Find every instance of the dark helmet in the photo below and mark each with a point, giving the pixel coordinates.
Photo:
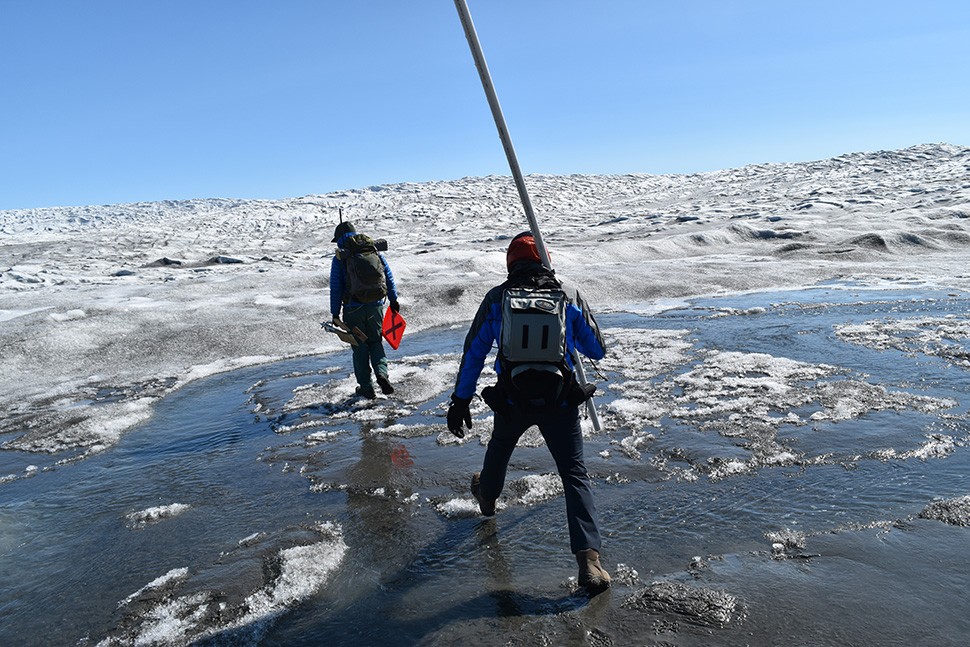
(522, 248)
(343, 228)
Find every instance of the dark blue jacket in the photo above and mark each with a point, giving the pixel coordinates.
(582, 332)
(338, 281)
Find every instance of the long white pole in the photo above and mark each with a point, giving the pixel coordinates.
(503, 132)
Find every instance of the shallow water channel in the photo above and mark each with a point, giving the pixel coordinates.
(785, 468)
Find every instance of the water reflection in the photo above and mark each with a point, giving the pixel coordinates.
(674, 483)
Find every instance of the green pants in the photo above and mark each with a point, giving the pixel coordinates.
(370, 353)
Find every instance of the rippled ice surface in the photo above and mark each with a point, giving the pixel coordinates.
(785, 468)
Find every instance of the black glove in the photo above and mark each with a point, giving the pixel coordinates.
(459, 412)
(395, 306)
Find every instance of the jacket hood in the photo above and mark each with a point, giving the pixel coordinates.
(342, 239)
(531, 274)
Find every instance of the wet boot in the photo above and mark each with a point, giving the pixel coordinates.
(592, 576)
(366, 392)
(487, 507)
(385, 385)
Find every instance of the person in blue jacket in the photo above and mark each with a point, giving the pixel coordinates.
(558, 419)
(368, 317)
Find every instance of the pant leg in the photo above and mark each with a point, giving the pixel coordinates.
(375, 341)
(367, 319)
(505, 434)
(563, 434)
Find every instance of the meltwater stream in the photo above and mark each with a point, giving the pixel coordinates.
(786, 468)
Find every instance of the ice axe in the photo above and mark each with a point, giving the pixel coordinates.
(350, 335)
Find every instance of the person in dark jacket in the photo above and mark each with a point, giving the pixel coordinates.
(558, 420)
(367, 317)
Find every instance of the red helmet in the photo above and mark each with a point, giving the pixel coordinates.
(522, 248)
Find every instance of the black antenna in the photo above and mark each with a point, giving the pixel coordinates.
(341, 210)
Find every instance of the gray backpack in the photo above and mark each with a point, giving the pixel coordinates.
(532, 350)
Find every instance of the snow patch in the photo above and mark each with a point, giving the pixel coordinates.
(153, 515)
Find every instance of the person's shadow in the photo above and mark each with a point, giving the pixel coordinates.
(375, 523)
(508, 601)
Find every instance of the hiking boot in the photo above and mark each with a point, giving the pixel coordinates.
(592, 576)
(487, 507)
(385, 385)
(366, 392)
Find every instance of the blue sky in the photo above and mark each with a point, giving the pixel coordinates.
(108, 102)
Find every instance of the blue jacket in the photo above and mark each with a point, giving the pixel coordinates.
(338, 281)
(582, 333)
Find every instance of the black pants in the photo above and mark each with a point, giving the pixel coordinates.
(561, 430)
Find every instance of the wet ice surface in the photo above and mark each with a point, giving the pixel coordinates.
(783, 468)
